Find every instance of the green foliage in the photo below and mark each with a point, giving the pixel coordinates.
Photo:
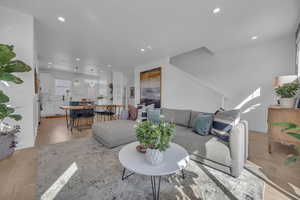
(15, 117)
(287, 90)
(7, 67)
(3, 97)
(155, 135)
(293, 130)
(291, 159)
(6, 111)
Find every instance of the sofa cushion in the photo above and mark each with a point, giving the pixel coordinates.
(203, 124)
(204, 147)
(153, 115)
(114, 133)
(179, 117)
(223, 123)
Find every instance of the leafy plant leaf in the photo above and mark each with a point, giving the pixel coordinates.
(10, 77)
(15, 117)
(294, 135)
(16, 66)
(291, 159)
(5, 111)
(6, 53)
(287, 90)
(3, 97)
(287, 124)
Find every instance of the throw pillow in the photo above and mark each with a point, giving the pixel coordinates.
(153, 115)
(203, 124)
(223, 123)
(142, 113)
(133, 112)
(194, 116)
(219, 110)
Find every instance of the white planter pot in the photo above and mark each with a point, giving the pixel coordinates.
(287, 102)
(154, 156)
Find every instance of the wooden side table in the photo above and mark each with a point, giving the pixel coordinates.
(278, 114)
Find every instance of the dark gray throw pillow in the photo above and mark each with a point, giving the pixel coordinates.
(203, 123)
(223, 122)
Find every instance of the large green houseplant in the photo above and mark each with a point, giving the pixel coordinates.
(292, 130)
(287, 93)
(8, 67)
(156, 137)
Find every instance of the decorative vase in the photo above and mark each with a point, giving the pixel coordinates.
(7, 146)
(287, 102)
(7, 139)
(154, 156)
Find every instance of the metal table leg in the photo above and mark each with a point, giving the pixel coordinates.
(67, 119)
(182, 173)
(154, 182)
(125, 176)
(155, 187)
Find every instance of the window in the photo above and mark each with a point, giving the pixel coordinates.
(61, 86)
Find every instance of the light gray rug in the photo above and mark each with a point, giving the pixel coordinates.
(83, 169)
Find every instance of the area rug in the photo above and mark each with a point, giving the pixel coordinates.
(83, 169)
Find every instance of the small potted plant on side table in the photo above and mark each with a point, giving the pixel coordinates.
(287, 93)
(155, 137)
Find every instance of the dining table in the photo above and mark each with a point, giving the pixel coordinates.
(67, 109)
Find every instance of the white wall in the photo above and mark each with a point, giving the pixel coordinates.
(180, 90)
(241, 71)
(18, 29)
(119, 83)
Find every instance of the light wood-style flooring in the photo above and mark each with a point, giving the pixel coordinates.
(18, 172)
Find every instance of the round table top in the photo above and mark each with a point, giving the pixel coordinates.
(175, 159)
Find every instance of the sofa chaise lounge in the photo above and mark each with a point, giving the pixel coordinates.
(209, 150)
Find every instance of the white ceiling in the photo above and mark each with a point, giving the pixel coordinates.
(113, 31)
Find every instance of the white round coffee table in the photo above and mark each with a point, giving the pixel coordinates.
(176, 158)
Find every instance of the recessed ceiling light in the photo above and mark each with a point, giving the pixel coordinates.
(254, 37)
(142, 50)
(216, 10)
(77, 59)
(49, 63)
(109, 65)
(61, 19)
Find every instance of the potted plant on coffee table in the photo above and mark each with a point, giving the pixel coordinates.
(155, 137)
(8, 67)
(287, 93)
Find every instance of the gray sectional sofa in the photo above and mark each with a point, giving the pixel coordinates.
(227, 157)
